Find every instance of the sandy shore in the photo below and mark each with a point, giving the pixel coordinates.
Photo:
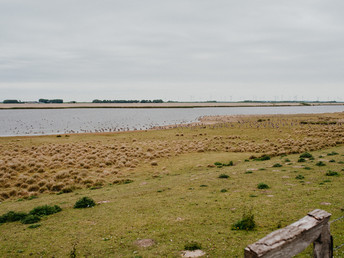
(153, 105)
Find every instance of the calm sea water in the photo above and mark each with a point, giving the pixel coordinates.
(58, 121)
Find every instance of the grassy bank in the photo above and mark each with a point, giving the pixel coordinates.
(163, 185)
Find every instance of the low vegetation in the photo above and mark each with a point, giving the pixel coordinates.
(178, 199)
(263, 186)
(246, 223)
(191, 246)
(32, 217)
(84, 202)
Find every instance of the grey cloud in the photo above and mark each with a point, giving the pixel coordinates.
(135, 44)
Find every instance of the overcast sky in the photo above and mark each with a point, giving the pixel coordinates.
(174, 50)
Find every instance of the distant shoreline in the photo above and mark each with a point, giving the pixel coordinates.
(162, 105)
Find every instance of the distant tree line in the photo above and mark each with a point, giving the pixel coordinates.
(10, 101)
(50, 100)
(127, 101)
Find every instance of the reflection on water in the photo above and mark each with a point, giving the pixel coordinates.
(59, 121)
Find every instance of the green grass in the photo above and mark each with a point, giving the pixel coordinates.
(136, 210)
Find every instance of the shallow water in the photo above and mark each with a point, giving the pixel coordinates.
(20, 122)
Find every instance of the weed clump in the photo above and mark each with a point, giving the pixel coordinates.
(224, 191)
(306, 155)
(332, 173)
(223, 176)
(246, 223)
(263, 186)
(263, 158)
(320, 164)
(30, 219)
(220, 165)
(45, 210)
(192, 246)
(299, 177)
(332, 153)
(12, 216)
(84, 202)
(301, 160)
(277, 165)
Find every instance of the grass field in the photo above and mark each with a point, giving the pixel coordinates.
(163, 185)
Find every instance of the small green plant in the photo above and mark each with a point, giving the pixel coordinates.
(277, 165)
(332, 173)
(230, 163)
(287, 160)
(192, 246)
(253, 195)
(299, 177)
(263, 186)
(279, 225)
(320, 164)
(45, 210)
(84, 202)
(307, 168)
(224, 191)
(301, 160)
(332, 161)
(203, 186)
(223, 176)
(306, 155)
(262, 169)
(332, 153)
(30, 219)
(249, 172)
(246, 223)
